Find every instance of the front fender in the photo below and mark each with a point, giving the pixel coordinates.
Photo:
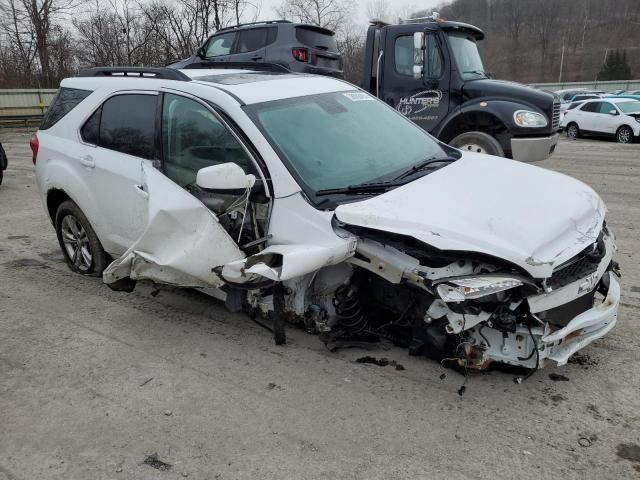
(500, 110)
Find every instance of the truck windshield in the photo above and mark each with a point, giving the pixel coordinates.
(344, 139)
(467, 56)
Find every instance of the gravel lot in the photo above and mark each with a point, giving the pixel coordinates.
(96, 384)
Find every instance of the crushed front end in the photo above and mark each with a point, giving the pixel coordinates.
(467, 308)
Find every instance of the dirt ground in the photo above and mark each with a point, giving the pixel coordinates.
(96, 384)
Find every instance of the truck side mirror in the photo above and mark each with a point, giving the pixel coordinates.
(418, 55)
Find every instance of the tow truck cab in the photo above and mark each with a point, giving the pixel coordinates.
(431, 72)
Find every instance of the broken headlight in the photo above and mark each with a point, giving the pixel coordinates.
(470, 288)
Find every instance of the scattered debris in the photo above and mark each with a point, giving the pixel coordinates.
(558, 398)
(629, 451)
(381, 362)
(146, 381)
(556, 377)
(526, 452)
(203, 355)
(584, 442)
(119, 469)
(583, 360)
(153, 461)
(461, 390)
(443, 376)
(168, 413)
(273, 386)
(155, 292)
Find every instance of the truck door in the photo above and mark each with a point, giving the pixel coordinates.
(424, 100)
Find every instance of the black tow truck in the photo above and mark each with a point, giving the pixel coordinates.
(431, 71)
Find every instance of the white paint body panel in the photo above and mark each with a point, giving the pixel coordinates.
(529, 216)
(183, 241)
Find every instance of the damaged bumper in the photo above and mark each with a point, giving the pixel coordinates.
(585, 328)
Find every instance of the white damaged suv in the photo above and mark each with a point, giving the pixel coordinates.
(302, 197)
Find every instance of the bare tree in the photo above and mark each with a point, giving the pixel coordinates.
(30, 25)
(331, 14)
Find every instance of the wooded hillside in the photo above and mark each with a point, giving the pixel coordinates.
(524, 38)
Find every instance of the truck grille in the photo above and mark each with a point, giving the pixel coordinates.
(555, 122)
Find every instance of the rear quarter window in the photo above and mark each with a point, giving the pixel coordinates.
(316, 39)
(65, 100)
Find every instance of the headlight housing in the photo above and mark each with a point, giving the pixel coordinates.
(526, 118)
(470, 288)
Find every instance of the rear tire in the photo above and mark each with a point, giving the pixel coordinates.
(78, 241)
(624, 135)
(1, 176)
(478, 142)
(573, 131)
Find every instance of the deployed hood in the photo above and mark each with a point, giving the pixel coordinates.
(527, 215)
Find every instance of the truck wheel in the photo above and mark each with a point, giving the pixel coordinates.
(624, 135)
(573, 131)
(478, 142)
(80, 246)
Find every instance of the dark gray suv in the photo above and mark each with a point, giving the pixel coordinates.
(297, 47)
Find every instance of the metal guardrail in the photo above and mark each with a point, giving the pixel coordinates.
(607, 86)
(24, 104)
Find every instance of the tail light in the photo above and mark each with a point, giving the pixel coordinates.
(300, 54)
(34, 144)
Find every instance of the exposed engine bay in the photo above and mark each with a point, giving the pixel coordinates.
(471, 311)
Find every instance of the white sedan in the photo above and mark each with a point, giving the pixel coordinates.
(607, 117)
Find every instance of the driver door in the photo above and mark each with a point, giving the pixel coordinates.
(425, 100)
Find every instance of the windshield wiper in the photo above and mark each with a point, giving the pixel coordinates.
(359, 188)
(424, 165)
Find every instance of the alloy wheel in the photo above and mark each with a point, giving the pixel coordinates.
(76, 243)
(624, 135)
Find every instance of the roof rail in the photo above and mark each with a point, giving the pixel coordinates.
(140, 72)
(262, 66)
(262, 22)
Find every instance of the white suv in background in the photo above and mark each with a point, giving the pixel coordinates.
(304, 197)
(617, 118)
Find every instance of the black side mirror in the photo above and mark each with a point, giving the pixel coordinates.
(200, 53)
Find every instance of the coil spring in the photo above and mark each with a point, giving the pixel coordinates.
(348, 310)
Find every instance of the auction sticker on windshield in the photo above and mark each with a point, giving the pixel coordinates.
(358, 96)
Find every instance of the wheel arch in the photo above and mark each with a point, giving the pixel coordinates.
(55, 197)
(480, 120)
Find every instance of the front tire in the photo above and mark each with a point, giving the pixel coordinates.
(624, 135)
(573, 131)
(478, 142)
(78, 241)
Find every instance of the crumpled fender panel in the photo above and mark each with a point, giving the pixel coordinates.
(182, 244)
(284, 262)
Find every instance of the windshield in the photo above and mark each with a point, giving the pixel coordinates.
(341, 139)
(629, 107)
(465, 51)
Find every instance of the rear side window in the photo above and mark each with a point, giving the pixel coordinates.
(591, 107)
(254, 39)
(90, 131)
(124, 123)
(314, 38)
(65, 100)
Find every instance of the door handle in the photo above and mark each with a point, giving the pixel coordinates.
(141, 191)
(87, 161)
(256, 58)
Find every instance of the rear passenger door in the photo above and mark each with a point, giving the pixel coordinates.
(118, 137)
(250, 44)
(587, 116)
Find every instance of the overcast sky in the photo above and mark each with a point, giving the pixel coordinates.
(268, 10)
